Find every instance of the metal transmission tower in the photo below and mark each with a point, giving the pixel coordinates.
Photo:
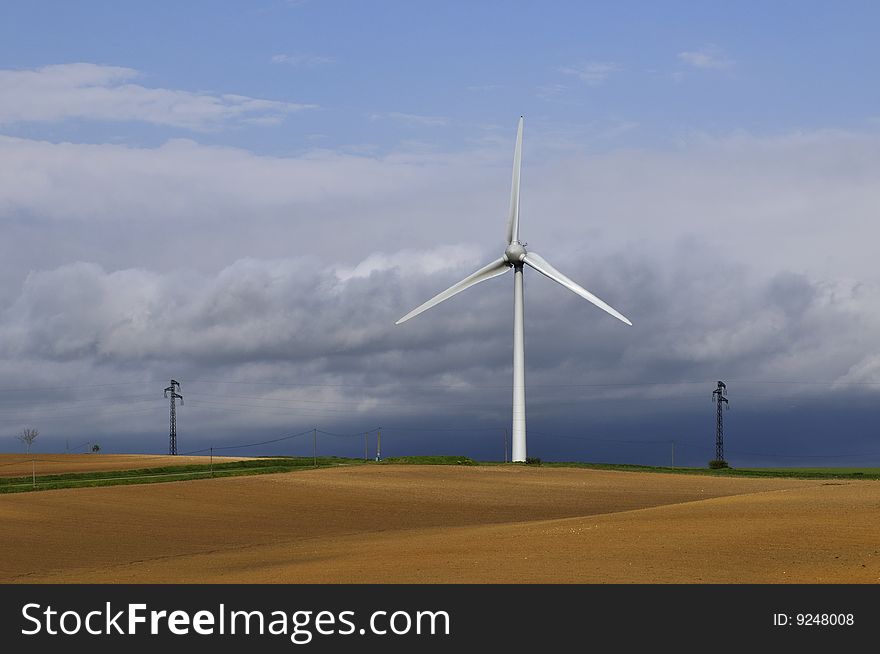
(718, 396)
(172, 434)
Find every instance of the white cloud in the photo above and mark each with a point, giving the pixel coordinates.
(417, 262)
(736, 257)
(96, 92)
(84, 182)
(734, 254)
(710, 58)
(593, 73)
(184, 204)
(306, 60)
(774, 196)
(413, 120)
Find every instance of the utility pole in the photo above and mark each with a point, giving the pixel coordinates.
(673, 454)
(366, 455)
(505, 445)
(718, 396)
(172, 434)
(315, 449)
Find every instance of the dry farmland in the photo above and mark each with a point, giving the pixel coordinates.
(21, 465)
(447, 524)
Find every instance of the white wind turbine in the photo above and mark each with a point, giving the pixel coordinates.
(514, 257)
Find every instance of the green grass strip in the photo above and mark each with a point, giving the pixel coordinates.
(273, 465)
(268, 465)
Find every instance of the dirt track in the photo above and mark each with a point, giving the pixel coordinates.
(442, 524)
(20, 465)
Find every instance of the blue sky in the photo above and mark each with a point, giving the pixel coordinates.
(661, 70)
(248, 195)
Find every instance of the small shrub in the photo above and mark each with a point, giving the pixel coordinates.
(716, 464)
(533, 461)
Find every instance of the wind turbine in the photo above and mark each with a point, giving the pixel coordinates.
(515, 255)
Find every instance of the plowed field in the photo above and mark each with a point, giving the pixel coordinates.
(447, 524)
(21, 465)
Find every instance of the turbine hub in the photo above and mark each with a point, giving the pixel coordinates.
(514, 254)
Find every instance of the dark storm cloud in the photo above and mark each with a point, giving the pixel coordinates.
(291, 313)
(737, 258)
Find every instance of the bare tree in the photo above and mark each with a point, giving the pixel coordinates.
(27, 436)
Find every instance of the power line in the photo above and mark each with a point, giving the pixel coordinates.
(274, 440)
(443, 428)
(356, 434)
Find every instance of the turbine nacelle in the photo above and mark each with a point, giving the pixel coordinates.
(515, 254)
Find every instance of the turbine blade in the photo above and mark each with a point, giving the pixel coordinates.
(513, 220)
(498, 267)
(540, 264)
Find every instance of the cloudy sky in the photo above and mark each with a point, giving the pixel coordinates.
(245, 196)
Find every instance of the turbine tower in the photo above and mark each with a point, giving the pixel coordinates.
(515, 256)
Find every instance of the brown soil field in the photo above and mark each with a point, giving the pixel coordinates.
(447, 524)
(20, 465)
